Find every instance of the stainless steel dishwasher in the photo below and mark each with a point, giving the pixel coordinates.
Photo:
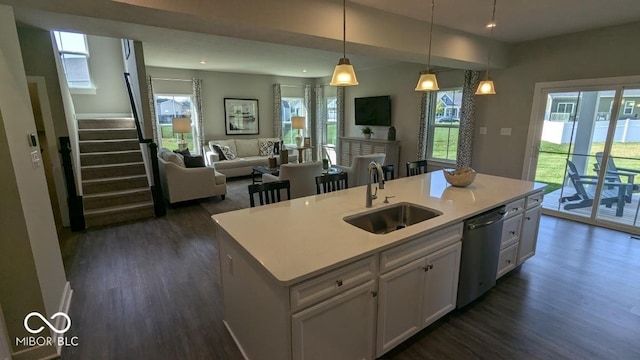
(480, 252)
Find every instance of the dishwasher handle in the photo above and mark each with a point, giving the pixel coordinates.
(502, 214)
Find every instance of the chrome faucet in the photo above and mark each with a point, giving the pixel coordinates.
(373, 166)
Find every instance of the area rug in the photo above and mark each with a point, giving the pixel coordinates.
(237, 197)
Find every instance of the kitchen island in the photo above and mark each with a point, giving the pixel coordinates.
(299, 282)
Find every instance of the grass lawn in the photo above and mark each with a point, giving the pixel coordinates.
(552, 161)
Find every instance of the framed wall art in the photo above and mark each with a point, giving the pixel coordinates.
(241, 116)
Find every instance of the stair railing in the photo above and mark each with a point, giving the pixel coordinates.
(74, 201)
(156, 187)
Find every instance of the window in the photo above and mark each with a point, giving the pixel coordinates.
(331, 104)
(74, 53)
(565, 108)
(628, 107)
(168, 107)
(444, 124)
(291, 106)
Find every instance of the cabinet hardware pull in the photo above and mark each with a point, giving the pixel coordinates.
(528, 218)
(508, 261)
(430, 266)
(374, 294)
(339, 282)
(425, 268)
(512, 232)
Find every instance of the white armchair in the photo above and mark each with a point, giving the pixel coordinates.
(358, 172)
(301, 176)
(180, 183)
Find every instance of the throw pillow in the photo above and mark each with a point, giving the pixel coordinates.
(193, 161)
(228, 153)
(184, 152)
(218, 150)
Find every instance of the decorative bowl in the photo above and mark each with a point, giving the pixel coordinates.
(461, 177)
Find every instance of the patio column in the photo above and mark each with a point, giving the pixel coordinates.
(585, 123)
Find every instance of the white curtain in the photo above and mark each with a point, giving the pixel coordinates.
(198, 116)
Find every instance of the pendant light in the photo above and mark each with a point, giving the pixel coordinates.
(486, 86)
(428, 81)
(344, 75)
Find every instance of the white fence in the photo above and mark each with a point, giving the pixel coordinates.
(560, 132)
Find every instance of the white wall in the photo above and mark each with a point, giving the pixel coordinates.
(593, 54)
(29, 241)
(107, 69)
(219, 85)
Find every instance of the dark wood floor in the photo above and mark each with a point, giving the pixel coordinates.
(150, 290)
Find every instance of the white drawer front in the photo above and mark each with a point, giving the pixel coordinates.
(515, 207)
(511, 231)
(414, 249)
(334, 282)
(534, 199)
(507, 260)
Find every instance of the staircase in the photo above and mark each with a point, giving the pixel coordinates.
(114, 183)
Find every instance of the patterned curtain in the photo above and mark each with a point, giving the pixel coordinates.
(152, 109)
(340, 120)
(467, 116)
(425, 110)
(310, 118)
(277, 111)
(320, 136)
(198, 139)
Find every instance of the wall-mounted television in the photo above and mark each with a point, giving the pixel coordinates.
(373, 110)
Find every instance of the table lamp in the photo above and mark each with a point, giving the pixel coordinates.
(297, 122)
(181, 125)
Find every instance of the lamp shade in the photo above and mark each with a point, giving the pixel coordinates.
(427, 82)
(181, 125)
(297, 122)
(344, 74)
(486, 88)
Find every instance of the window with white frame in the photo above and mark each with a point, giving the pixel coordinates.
(169, 106)
(565, 108)
(444, 125)
(74, 53)
(291, 106)
(628, 107)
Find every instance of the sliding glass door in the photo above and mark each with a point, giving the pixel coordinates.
(589, 155)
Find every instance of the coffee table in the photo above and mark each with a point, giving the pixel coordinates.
(261, 169)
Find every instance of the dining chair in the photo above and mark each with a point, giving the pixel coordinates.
(269, 193)
(416, 167)
(388, 171)
(332, 182)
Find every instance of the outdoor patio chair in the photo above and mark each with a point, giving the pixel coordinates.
(615, 173)
(612, 193)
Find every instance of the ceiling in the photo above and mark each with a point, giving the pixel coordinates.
(518, 20)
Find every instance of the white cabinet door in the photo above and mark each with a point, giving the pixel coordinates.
(399, 304)
(529, 234)
(341, 327)
(441, 283)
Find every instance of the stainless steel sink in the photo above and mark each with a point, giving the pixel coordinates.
(391, 218)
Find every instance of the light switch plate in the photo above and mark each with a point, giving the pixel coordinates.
(483, 130)
(505, 131)
(36, 160)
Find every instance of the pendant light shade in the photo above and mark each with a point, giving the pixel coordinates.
(428, 81)
(344, 74)
(486, 86)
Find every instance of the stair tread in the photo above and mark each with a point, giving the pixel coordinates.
(115, 178)
(116, 192)
(107, 210)
(111, 165)
(117, 152)
(107, 140)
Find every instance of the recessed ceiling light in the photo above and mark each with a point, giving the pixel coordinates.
(304, 70)
(203, 62)
(491, 25)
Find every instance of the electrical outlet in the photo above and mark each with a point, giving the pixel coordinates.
(505, 131)
(483, 130)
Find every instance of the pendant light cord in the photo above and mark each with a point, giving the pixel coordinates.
(493, 25)
(433, 4)
(344, 28)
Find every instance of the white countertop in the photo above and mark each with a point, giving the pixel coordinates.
(296, 239)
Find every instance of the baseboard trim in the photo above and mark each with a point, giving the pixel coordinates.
(36, 353)
(235, 339)
(65, 303)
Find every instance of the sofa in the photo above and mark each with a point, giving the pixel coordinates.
(181, 183)
(247, 153)
(302, 177)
